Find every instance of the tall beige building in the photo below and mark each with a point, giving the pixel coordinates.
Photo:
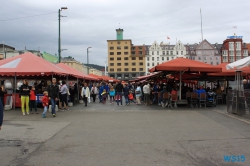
(125, 61)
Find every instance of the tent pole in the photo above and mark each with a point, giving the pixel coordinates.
(14, 86)
(180, 84)
(77, 90)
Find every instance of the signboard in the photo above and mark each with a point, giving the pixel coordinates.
(234, 37)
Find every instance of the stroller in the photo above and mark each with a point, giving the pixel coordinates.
(211, 98)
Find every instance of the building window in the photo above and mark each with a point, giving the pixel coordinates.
(140, 52)
(205, 58)
(153, 58)
(118, 47)
(111, 64)
(111, 53)
(217, 63)
(167, 52)
(126, 58)
(157, 52)
(231, 52)
(133, 58)
(140, 58)
(147, 53)
(140, 48)
(217, 58)
(167, 58)
(172, 57)
(181, 52)
(211, 58)
(133, 52)
(141, 69)
(133, 69)
(133, 64)
(147, 58)
(111, 59)
(211, 63)
(152, 52)
(111, 48)
(238, 52)
(111, 69)
(199, 58)
(126, 69)
(125, 53)
(133, 75)
(119, 58)
(163, 52)
(157, 58)
(177, 53)
(119, 69)
(119, 64)
(125, 47)
(148, 64)
(133, 48)
(162, 58)
(125, 64)
(153, 64)
(171, 52)
(119, 53)
(141, 63)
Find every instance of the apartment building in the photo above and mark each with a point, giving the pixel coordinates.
(233, 49)
(125, 60)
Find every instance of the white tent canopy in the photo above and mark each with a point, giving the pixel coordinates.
(239, 64)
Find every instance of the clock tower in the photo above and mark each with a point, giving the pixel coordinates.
(119, 34)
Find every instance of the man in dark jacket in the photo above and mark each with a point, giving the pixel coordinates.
(1, 114)
(125, 93)
(119, 90)
(53, 93)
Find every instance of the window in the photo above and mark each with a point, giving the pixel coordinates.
(111, 64)
(211, 63)
(172, 57)
(162, 58)
(238, 45)
(112, 75)
(111, 53)
(198, 52)
(133, 64)
(125, 64)
(157, 52)
(111, 59)
(133, 69)
(126, 69)
(193, 58)
(133, 75)
(217, 63)
(231, 45)
(157, 58)
(167, 58)
(125, 53)
(211, 58)
(167, 52)
(141, 69)
(147, 53)
(238, 52)
(133, 48)
(119, 64)
(140, 48)
(205, 58)
(152, 52)
(118, 47)
(163, 52)
(231, 52)
(133, 58)
(176, 52)
(140, 58)
(125, 47)
(171, 52)
(119, 58)
(126, 58)
(119, 69)
(148, 64)
(181, 52)
(119, 53)
(217, 58)
(199, 58)
(153, 58)
(141, 63)
(157, 63)
(111, 69)
(147, 58)
(153, 64)
(140, 52)
(133, 52)
(111, 48)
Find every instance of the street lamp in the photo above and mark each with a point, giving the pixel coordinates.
(88, 59)
(59, 38)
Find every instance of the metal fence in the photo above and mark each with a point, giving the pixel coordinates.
(238, 101)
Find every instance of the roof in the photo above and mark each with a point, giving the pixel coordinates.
(1, 46)
(183, 64)
(28, 64)
(105, 78)
(49, 57)
(248, 47)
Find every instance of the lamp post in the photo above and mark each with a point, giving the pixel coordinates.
(88, 59)
(59, 38)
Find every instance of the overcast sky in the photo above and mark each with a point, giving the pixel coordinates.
(93, 22)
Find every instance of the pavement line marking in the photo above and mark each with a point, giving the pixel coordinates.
(234, 116)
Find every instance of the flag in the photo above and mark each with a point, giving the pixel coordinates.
(168, 37)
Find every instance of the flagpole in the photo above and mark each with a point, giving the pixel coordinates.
(201, 27)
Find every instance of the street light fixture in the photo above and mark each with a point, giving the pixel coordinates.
(59, 38)
(88, 59)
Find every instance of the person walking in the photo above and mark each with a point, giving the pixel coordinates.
(33, 100)
(25, 93)
(119, 90)
(53, 93)
(101, 87)
(64, 95)
(1, 113)
(126, 93)
(138, 94)
(112, 95)
(146, 91)
(94, 92)
(85, 94)
(45, 102)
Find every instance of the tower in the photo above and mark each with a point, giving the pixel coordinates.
(119, 34)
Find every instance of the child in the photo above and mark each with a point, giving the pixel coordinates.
(104, 96)
(33, 100)
(112, 95)
(45, 102)
(131, 97)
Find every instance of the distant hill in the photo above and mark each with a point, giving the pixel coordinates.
(95, 66)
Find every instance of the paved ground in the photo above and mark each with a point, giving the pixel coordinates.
(125, 135)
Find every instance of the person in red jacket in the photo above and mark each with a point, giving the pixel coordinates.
(45, 102)
(33, 100)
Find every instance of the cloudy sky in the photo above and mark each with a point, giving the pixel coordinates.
(93, 22)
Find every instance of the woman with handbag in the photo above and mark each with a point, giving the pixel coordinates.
(64, 95)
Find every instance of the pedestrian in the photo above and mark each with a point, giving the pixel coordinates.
(101, 87)
(146, 91)
(85, 94)
(131, 97)
(33, 100)
(2, 95)
(53, 93)
(64, 95)
(138, 94)
(94, 92)
(104, 96)
(45, 102)
(25, 93)
(112, 95)
(119, 90)
(1, 114)
(126, 93)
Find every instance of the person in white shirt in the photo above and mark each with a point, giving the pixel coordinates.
(146, 91)
(94, 92)
(85, 93)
